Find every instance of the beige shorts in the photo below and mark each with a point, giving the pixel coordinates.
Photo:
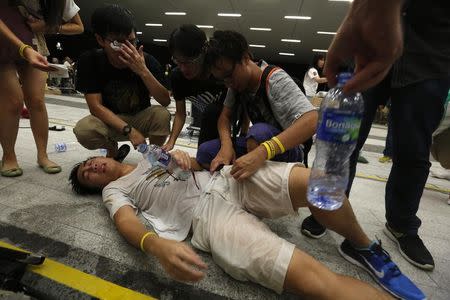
(226, 223)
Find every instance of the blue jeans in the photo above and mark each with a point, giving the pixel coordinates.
(416, 111)
(260, 132)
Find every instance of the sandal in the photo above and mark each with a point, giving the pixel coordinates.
(14, 172)
(51, 169)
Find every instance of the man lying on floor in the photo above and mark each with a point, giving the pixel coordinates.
(224, 216)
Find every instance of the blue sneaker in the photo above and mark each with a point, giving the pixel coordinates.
(378, 263)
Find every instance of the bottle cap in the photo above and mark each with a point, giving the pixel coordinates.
(142, 148)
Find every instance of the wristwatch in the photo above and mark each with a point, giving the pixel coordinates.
(126, 130)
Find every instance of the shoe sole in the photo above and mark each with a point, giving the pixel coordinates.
(309, 234)
(358, 264)
(394, 239)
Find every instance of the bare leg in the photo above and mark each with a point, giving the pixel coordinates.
(33, 89)
(342, 221)
(11, 101)
(312, 280)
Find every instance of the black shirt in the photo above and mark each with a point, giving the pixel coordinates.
(122, 90)
(200, 92)
(426, 54)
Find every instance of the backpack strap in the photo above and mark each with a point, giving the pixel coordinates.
(263, 90)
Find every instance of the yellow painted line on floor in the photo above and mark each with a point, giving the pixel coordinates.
(428, 186)
(83, 282)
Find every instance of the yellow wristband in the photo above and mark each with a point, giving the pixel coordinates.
(22, 49)
(280, 145)
(143, 239)
(269, 152)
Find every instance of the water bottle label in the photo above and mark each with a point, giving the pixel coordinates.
(60, 147)
(164, 159)
(339, 126)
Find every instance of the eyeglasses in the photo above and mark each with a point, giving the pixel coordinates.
(189, 62)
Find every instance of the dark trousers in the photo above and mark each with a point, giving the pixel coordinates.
(416, 111)
(388, 146)
(208, 123)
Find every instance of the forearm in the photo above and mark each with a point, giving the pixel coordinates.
(367, 8)
(133, 231)
(223, 126)
(71, 29)
(300, 131)
(156, 89)
(178, 123)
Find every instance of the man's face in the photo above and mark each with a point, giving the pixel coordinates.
(108, 44)
(98, 172)
(235, 75)
(190, 67)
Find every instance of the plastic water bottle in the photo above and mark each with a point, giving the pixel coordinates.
(64, 147)
(157, 156)
(71, 146)
(337, 133)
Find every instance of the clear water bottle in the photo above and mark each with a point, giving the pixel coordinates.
(71, 146)
(337, 133)
(157, 156)
(64, 147)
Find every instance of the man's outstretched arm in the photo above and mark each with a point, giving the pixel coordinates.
(177, 258)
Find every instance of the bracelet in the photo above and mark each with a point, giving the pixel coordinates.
(267, 150)
(270, 149)
(280, 145)
(22, 49)
(143, 239)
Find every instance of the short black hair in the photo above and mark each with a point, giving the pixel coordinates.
(187, 39)
(316, 59)
(229, 44)
(77, 186)
(112, 19)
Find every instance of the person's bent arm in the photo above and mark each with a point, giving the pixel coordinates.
(226, 153)
(134, 59)
(29, 54)
(371, 35)
(97, 109)
(319, 79)
(74, 26)
(177, 258)
(178, 122)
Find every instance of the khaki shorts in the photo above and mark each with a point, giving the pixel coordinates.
(92, 133)
(226, 223)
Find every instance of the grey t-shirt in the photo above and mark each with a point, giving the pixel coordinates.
(287, 101)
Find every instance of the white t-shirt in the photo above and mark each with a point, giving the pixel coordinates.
(70, 10)
(309, 83)
(165, 202)
(34, 7)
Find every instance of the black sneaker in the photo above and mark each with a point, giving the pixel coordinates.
(122, 153)
(378, 263)
(312, 228)
(411, 248)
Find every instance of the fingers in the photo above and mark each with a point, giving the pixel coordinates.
(367, 77)
(184, 264)
(214, 164)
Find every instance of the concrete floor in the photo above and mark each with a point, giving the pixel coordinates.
(39, 212)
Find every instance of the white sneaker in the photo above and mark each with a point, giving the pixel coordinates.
(440, 173)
